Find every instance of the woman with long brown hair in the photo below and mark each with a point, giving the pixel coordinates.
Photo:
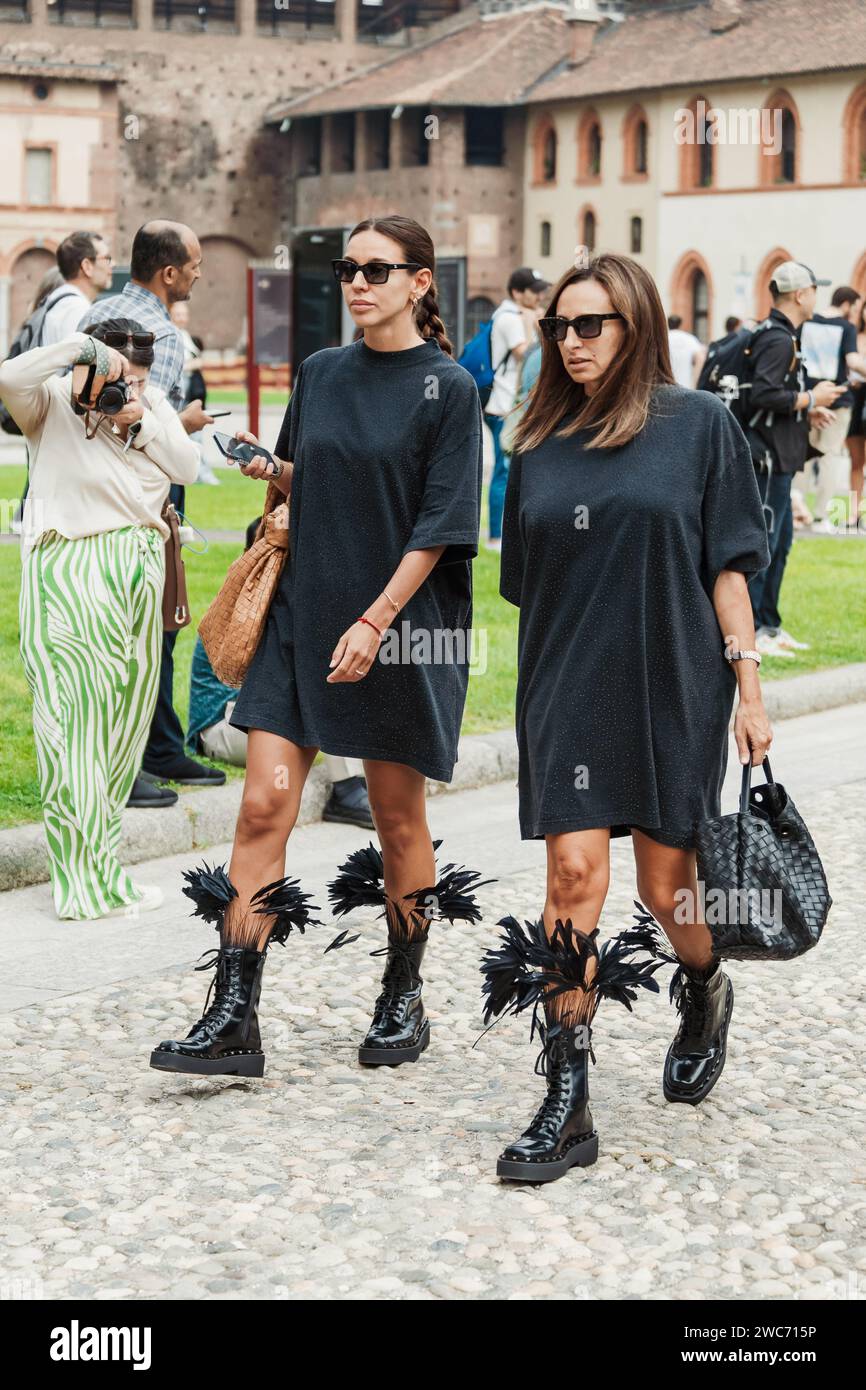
(632, 520)
(381, 454)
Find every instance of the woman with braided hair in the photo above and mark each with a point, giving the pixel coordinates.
(381, 454)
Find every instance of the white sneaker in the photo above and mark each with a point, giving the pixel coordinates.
(785, 639)
(494, 543)
(151, 898)
(824, 528)
(770, 646)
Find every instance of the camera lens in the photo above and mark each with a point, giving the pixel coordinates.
(112, 397)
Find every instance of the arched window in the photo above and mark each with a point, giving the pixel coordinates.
(692, 294)
(636, 236)
(640, 147)
(544, 240)
(700, 306)
(780, 132)
(548, 167)
(635, 143)
(478, 310)
(588, 229)
(589, 148)
(854, 126)
(696, 135)
(544, 151)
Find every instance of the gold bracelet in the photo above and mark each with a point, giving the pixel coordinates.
(394, 605)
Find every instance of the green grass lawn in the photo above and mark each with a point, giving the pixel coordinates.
(823, 605)
(236, 395)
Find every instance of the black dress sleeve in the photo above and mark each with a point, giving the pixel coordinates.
(450, 508)
(287, 438)
(734, 529)
(511, 560)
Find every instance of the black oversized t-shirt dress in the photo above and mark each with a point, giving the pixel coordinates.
(386, 448)
(624, 695)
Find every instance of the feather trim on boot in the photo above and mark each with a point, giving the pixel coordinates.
(361, 883)
(211, 890)
(528, 970)
(291, 908)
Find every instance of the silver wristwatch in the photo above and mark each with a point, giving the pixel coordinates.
(739, 656)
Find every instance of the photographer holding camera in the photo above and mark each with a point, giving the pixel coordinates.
(105, 447)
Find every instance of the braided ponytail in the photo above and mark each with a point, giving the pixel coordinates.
(429, 323)
(417, 247)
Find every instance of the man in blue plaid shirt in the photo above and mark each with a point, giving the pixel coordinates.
(165, 264)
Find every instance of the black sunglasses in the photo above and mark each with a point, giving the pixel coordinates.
(122, 340)
(585, 326)
(374, 272)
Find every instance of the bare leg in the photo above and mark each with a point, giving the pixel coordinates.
(399, 806)
(276, 773)
(578, 877)
(661, 873)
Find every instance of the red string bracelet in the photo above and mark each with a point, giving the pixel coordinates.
(372, 625)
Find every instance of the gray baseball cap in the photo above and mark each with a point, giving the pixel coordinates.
(793, 275)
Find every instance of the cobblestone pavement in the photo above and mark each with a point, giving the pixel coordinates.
(325, 1181)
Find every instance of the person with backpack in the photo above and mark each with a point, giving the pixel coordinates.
(85, 262)
(778, 415)
(84, 265)
(493, 357)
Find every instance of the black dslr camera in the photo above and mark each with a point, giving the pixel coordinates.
(111, 398)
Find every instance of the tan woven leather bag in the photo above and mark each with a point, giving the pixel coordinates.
(232, 627)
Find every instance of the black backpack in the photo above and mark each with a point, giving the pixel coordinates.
(29, 335)
(728, 367)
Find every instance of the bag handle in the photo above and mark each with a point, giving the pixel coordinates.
(746, 783)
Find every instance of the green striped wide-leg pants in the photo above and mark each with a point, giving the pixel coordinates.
(91, 637)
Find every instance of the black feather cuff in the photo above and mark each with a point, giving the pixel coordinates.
(527, 969)
(211, 890)
(360, 883)
(450, 896)
(290, 908)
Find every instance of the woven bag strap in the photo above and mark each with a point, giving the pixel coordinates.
(273, 497)
(746, 783)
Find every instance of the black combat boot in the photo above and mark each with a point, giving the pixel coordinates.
(562, 1135)
(400, 1030)
(696, 1057)
(226, 1040)
(530, 970)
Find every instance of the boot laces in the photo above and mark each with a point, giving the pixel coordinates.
(693, 1003)
(215, 1015)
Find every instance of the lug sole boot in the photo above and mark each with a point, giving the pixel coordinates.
(696, 1057)
(226, 1040)
(529, 970)
(400, 1030)
(562, 1135)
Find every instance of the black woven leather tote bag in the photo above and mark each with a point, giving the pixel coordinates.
(762, 878)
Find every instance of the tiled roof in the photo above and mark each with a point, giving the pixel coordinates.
(523, 56)
(676, 46)
(481, 62)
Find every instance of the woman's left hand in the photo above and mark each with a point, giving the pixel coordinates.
(354, 654)
(130, 413)
(753, 731)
